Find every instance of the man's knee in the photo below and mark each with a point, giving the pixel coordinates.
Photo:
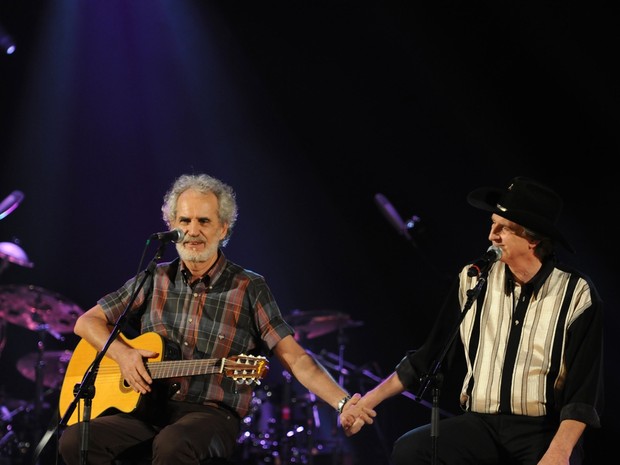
(412, 447)
(69, 444)
(169, 444)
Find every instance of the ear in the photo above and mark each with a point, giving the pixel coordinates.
(224, 231)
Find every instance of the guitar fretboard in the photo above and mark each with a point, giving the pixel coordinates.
(176, 368)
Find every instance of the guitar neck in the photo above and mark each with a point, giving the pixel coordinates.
(177, 368)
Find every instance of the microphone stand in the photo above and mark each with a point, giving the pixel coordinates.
(434, 377)
(342, 342)
(86, 389)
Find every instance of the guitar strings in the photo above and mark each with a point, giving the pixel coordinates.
(188, 365)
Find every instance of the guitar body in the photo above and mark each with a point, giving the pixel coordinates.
(113, 394)
(111, 391)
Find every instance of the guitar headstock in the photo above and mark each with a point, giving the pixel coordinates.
(246, 369)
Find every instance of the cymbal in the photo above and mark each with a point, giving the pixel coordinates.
(13, 253)
(10, 203)
(53, 365)
(37, 309)
(319, 322)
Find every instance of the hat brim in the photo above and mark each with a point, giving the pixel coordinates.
(487, 198)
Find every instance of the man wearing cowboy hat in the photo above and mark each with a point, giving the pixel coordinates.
(530, 329)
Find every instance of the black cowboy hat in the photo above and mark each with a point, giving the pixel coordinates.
(526, 202)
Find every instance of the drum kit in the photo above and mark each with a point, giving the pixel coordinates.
(46, 313)
(287, 424)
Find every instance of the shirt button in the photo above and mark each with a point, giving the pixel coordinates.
(517, 322)
(190, 320)
(195, 294)
(185, 343)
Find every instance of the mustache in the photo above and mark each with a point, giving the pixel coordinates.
(188, 240)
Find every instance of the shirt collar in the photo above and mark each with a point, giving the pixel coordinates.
(212, 273)
(534, 285)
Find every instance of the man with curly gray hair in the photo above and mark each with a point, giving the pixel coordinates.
(206, 307)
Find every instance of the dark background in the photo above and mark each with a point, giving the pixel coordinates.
(308, 109)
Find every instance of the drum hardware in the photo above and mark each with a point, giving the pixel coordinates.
(19, 429)
(2, 335)
(47, 313)
(52, 364)
(10, 203)
(37, 309)
(11, 252)
(286, 423)
(7, 438)
(14, 446)
(259, 435)
(317, 323)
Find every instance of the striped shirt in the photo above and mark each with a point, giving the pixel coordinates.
(231, 311)
(534, 350)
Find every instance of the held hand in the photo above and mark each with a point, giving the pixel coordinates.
(355, 428)
(356, 414)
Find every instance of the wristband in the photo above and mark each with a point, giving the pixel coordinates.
(342, 403)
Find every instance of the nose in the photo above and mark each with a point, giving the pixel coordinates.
(193, 229)
(494, 233)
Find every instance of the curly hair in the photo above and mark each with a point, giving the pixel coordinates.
(227, 203)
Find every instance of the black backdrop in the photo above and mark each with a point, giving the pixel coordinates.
(308, 110)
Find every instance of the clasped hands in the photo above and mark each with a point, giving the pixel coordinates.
(355, 415)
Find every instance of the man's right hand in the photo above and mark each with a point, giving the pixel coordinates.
(133, 370)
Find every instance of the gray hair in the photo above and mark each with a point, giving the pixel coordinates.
(227, 204)
(545, 246)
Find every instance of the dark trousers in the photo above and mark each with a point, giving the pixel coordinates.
(480, 439)
(185, 433)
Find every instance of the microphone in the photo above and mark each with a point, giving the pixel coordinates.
(10, 203)
(392, 215)
(176, 235)
(492, 254)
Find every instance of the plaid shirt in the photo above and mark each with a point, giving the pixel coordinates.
(231, 311)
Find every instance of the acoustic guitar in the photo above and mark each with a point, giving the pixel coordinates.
(113, 393)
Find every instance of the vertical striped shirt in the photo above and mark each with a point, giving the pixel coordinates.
(532, 350)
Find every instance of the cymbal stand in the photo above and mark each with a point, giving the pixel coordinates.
(286, 416)
(38, 380)
(4, 264)
(313, 423)
(43, 330)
